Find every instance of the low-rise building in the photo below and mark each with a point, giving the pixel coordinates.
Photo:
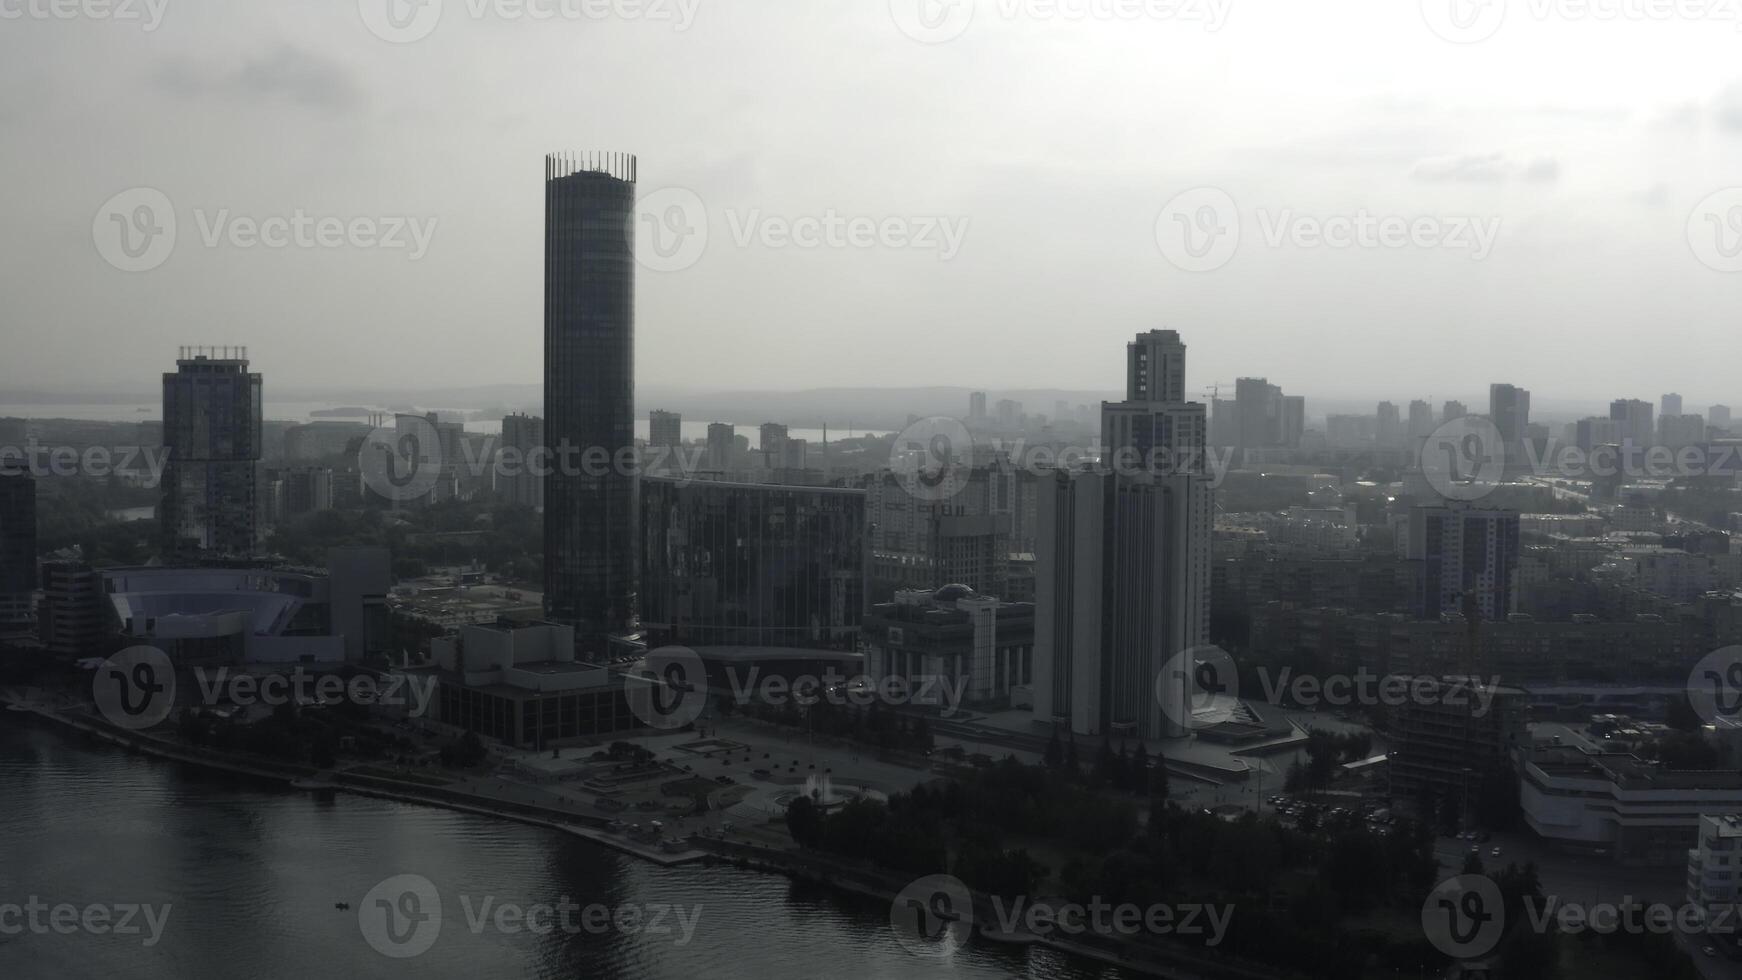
(952, 639)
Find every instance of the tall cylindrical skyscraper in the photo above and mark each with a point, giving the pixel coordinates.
(589, 394)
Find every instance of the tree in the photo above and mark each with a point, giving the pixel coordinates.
(804, 821)
(1055, 753)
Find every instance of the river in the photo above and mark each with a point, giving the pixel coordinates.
(243, 879)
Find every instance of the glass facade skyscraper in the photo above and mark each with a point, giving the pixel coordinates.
(589, 395)
(211, 433)
(739, 564)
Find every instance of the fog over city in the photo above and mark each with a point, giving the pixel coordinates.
(1049, 139)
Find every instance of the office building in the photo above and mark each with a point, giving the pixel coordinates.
(1388, 430)
(1718, 417)
(1715, 873)
(1670, 404)
(294, 491)
(1453, 410)
(953, 638)
(521, 461)
(1421, 420)
(752, 565)
(921, 543)
(71, 617)
(1155, 367)
(1635, 418)
(1293, 420)
(1009, 413)
(1122, 584)
(1582, 798)
(665, 429)
(722, 447)
(1465, 553)
(977, 405)
(1509, 410)
(211, 432)
(1259, 404)
(17, 549)
(1676, 431)
(773, 440)
(522, 684)
(590, 528)
(1591, 432)
(1445, 744)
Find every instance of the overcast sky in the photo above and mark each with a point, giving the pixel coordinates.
(1008, 182)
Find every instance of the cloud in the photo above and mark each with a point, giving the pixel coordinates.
(285, 73)
(1486, 168)
(1728, 108)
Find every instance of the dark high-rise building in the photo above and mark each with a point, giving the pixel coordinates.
(665, 429)
(211, 432)
(1466, 554)
(17, 548)
(71, 617)
(589, 394)
(1635, 417)
(1509, 410)
(1259, 404)
(739, 564)
(520, 478)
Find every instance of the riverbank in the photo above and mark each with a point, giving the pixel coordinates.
(807, 866)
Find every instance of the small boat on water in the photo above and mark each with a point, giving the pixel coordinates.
(342, 906)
